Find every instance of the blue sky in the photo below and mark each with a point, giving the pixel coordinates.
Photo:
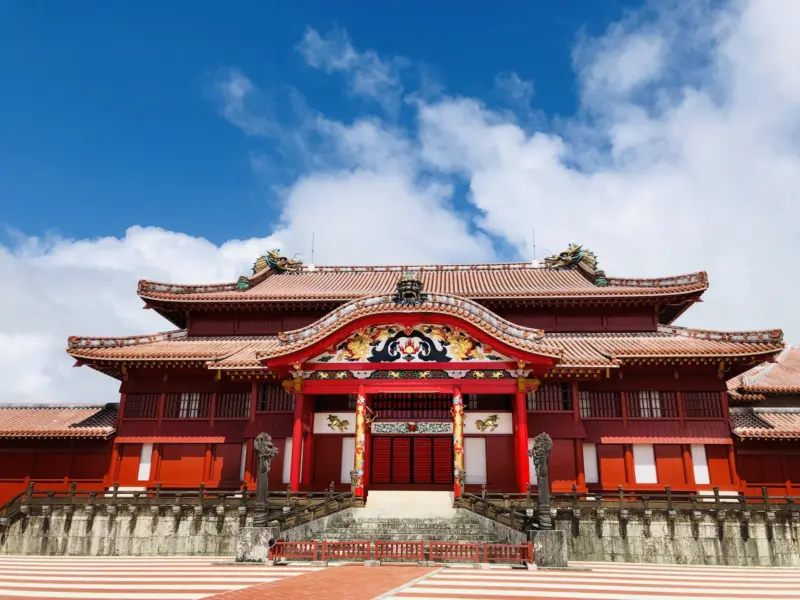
(106, 121)
(145, 140)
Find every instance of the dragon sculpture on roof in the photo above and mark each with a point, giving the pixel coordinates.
(577, 257)
(273, 260)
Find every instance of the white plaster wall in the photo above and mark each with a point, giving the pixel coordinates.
(287, 460)
(644, 463)
(145, 462)
(348, 454)
(700, 463)
(475, 459)
(590, 469)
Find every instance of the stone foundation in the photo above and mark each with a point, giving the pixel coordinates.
(763, 540)
(684, 539)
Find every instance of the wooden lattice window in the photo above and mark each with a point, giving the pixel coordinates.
(141, 406)
(550, 397)
(272, 397)
(600, 405)
(652, 404)
(233, 405)
(702, 405)
(188, 405)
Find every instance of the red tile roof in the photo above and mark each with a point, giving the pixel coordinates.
(484, 281)
(54, 421)
(575, 349)
(779, 377)
(766, 423)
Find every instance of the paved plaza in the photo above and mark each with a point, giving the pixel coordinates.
(190, 578)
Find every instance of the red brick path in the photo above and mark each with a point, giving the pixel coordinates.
(348, 582)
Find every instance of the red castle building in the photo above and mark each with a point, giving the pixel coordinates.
(425, 377)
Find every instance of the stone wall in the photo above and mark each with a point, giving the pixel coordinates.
(125, 533)
(761, 540)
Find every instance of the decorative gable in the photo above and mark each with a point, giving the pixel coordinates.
(417, 344)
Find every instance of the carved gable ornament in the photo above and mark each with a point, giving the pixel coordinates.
(409, 290)
(417, 344)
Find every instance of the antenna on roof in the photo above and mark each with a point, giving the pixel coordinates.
(534, 262)
(311, 266)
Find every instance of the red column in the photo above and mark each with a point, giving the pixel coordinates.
(630, 471)
(732, 465)
(580, 468)
(359, 458)
(297, 442)
(458, 439)
(253, 400)
(155, 463)
(688, 464)
(248, 463)
(308, 458)
(521, 436)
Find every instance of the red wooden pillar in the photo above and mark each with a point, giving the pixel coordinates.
(208, 460)
(732, 466)
(113, 468)
(308, 452)
(248, 463)
(253, 400)
(297, 442)
(359, 457)
(576, 400)
(580, 468)
(155, 463)
(688, 464)
(458, 439)
(520, 416)
(630, 471)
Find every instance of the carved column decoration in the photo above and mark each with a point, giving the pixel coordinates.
(540, 454)
(457, 410)
(357, 475)
(266, 452)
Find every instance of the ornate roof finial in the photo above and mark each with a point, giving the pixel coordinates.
(272, 259)
(578, 257)
(409, 290)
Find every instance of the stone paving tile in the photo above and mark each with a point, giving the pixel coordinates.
(350, 582)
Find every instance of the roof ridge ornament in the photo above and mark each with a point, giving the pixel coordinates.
(273, 260)
(409, 290)
(576, 257)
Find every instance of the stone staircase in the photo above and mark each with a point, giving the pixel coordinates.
(406, 516)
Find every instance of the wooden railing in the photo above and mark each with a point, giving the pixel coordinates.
(289, 509)
(518, 511)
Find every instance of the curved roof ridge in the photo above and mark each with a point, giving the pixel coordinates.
(76, 341)
(524, 338)
(672, 281)
(762, 335)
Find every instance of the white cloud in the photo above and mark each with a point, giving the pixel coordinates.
(518, 90)
(367, 74)
(685, 155)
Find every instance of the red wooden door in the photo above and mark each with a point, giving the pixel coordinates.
(423, 460)
(412, 460)
(381, 450)
(442, 460)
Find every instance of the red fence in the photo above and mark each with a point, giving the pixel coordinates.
(454, 551)
(294, 551)
(400, 551)
(346, 550)
(509, 553)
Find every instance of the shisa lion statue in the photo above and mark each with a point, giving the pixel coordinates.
(266, 452)
(540, 453)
